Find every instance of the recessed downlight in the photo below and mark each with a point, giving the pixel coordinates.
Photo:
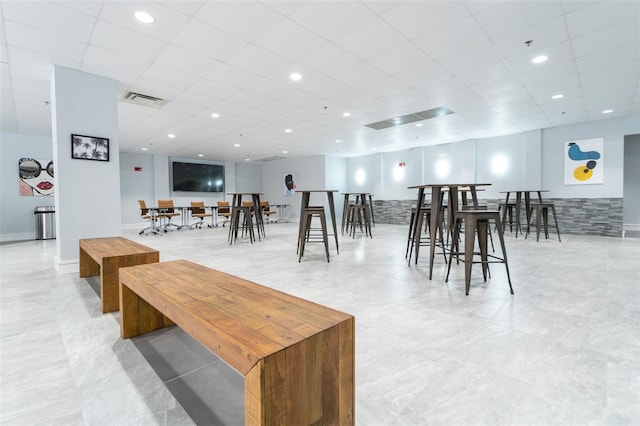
(540, 59)
(145, 149)
(338, 141)
(171, 136)
(288, 130)
(200, 155)
(419, 125)
(295, 76)
(215, 115)
(247, 159)
(285, 152)
(144, 17)
(607, 111)
(346, 114)
(558, 96)
(237, 145)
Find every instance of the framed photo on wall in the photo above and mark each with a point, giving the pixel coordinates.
(89, 148)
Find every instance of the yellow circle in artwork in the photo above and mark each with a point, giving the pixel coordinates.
(583, 173)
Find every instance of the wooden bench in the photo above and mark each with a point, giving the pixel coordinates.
(297, 357)
(104, 256)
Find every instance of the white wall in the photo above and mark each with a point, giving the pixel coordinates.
(612, 131)
(136, 186)
(335, 171)
(17, 221)
(508, 163)
(309, 174)
(396, 178)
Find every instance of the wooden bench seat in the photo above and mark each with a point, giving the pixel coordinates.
(104, 256)
(296, 356)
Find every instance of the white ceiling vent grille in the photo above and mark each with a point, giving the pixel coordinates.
(269, 159)
(143, 100)
(410, 118)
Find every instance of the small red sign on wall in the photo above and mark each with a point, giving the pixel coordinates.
(137, 168)
(401, 164)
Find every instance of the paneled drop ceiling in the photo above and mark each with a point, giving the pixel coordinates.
(376, 60)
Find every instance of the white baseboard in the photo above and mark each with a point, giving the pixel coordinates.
(18, 237)
(67, 267)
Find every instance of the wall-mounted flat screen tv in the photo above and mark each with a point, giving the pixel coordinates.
(196, 177)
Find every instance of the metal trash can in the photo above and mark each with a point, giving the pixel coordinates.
(45, 222)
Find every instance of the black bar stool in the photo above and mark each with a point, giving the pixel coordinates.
(542, 218)
(476, 222)
(308, 234)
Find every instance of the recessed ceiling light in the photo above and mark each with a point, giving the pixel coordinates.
(374, 149)
(295, 76)
(200, 155)
(346, 114)
(247, 159)
(539, 59)
(558, 96)
(144, 149)
(144, 17)
(607, 111)
(338, 141)
(237, 145)
(285, 152)
(171, 136)
(287, 130)
(215, 115)
(419, 125)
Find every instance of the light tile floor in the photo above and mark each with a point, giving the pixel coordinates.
(565, 349)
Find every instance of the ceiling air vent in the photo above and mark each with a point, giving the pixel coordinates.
(410, 118)
(143, 100)
(268, 159)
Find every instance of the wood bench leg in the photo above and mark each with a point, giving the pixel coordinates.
(137, 316)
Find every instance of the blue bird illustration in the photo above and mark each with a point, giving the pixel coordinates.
(575, 153)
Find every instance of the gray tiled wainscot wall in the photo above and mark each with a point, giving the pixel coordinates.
(586, 216)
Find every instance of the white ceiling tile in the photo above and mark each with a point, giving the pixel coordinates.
(549, 72)
(417, 19)
(212, 89)
(486, 74)
(425, 75)
(332, 20)
(43, 42)
(130, 43)
(87, 7)
(502, 91)
(542, 36)
(51, 18)
(163, 75)
(624, 55)
(472, 58)
(185, 61)
(284, 7)
(208, 41)
(233, 76)
(108, 60)
(328, 60)
(400, 59)
(600, 15)
(455, 37)
(509, 17)
(441, 87)
(246, 20)
(37, 61)
(558, 53)
(371, 39)
(251, 55)
(606, 40)
(359, 75)
(188, 7)
(289, 40)
(168, 22)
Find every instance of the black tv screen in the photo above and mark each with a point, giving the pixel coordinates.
(195, 177)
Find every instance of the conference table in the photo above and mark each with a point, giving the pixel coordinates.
(527, 203)
(436, 212)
